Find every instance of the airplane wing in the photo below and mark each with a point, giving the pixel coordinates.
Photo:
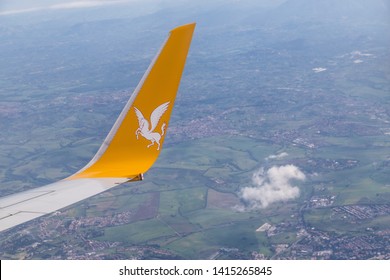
(128, 150)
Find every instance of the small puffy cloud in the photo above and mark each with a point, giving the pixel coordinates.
(355, 54)
(272, 185)
(278, 156)
(319, 69)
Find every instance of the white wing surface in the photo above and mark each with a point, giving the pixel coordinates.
(22, 207)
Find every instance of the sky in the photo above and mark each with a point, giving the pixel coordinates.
(370, 7)
(8, 7)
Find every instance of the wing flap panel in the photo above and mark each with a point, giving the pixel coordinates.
(22, 207)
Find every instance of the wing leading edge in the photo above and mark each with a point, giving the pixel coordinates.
(129, 150)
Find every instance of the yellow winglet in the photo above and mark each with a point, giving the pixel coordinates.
(136, 139)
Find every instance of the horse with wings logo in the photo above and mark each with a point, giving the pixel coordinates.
(146, 130)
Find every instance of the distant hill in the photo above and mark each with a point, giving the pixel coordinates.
(324, 10)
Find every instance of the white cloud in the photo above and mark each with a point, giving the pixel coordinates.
(319, 69)
(359, 54)
(272, 186)
(19, 11)
(67, 5)
(85, 4)
(278, 156)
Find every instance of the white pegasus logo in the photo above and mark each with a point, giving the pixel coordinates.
(145, 131)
